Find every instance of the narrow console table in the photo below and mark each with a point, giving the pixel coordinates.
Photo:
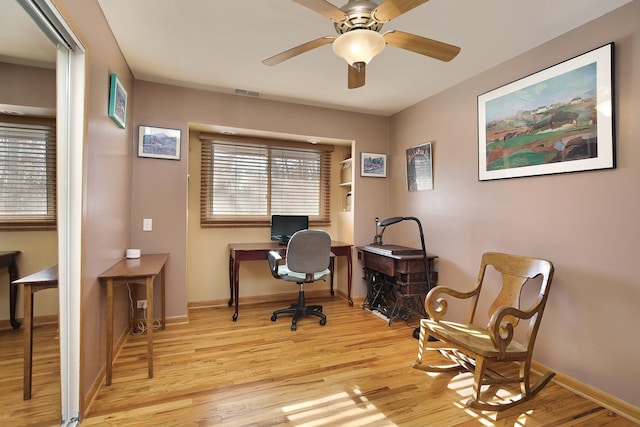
(260, 251)
(147, 267)
(8, 260)
(33, 283)
(394, 274)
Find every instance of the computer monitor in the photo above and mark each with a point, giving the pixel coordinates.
(283, 226)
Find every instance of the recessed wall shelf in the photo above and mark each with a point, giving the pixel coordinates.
(346, 176)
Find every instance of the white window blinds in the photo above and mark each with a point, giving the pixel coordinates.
(244, 183)
(27, 176)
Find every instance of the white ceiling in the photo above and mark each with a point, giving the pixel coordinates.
(219, 45)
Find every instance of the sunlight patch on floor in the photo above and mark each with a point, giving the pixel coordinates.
(462, 384)
(464, 387)
(483, 418)
(335, 409)
(522, 419)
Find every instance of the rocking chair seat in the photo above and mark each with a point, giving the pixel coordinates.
(472, 337)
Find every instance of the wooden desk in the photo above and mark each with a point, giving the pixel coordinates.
(8, 260)
(260, 251)
(394, 272)
(146, 267)
(33, 283)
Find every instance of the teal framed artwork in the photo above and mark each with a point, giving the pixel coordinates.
(118, 101)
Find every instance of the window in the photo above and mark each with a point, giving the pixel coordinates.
(244, 182)
(27, 173)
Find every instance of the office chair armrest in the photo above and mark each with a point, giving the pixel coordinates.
(274, 259)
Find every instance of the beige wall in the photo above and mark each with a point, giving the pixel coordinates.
(107, 183)
(22, 85)
(27, 86)
(160, 186)
(586, 223)
(208, 256)
(39, 250)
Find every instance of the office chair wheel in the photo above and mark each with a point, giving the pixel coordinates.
(274, 318)
(323, 322)
(294, 326)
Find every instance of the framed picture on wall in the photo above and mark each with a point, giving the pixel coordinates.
(419, 168)
(118, 101)
(557, 120)
(373, 165)
(159, 143)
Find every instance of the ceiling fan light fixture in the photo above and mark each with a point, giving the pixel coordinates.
(359, 45)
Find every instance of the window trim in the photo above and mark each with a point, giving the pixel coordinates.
(40, 223)
(260, 221)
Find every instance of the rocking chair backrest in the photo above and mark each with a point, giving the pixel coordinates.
(516, 271)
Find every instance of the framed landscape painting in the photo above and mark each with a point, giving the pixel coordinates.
(159, 143)
(557, 120)
(373, 165)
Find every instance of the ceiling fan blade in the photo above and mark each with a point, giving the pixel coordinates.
(391, 9)
(422, 45)
(356, 75)
(324, 8)
(295, 51)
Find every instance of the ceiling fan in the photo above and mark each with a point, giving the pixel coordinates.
(358, 24)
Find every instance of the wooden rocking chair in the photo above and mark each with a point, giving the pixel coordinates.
(474, 348)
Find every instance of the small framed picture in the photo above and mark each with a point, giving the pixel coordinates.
(159, 143)
(373, 165)
(118, 102)
(419, 168)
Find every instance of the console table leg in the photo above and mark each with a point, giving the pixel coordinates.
(13, 293)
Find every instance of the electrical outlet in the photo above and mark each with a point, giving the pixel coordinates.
(147, 224)
(142, 303)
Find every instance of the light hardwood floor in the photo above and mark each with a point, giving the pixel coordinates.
(44, 407)
(355, 371)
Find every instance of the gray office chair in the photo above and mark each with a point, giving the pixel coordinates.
(307, 260)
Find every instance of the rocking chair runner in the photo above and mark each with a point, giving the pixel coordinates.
(474, 348)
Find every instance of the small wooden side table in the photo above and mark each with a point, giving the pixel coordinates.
(8, 260)
(146, 267)
(33, 283)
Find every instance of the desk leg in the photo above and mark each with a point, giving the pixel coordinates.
(28, 340)
(13, 294)
(236, 286)
(109, 330)
(331, 269)
(150, 324)
(163, 312)
(231, 275)
(349, 274)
